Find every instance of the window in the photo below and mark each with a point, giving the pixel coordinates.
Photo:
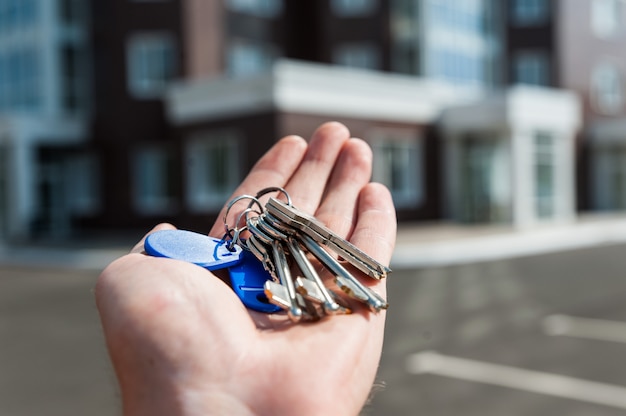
(74, 73)
(84, 198)
(4, 83)
(478, 180)
(606, 17)
(529, 12)
(71, 11)
(249, 57)
(544, 175)
(357, 55)
(405, 48)
(398, 165)
(213, 169)
(531, 67)
(4, 189)
(606, 89)
(354, 8)
(19, 80)
(259, 8)
(154, 181)
(459, 41)
(151, 64)
(611, 188)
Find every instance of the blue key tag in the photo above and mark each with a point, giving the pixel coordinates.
(248, 278)
(202, 250)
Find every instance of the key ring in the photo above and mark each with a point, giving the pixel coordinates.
(231, 203)
(266, 191)
(236, 237)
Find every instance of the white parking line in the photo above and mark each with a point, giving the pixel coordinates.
(598, 329)
(430, 362)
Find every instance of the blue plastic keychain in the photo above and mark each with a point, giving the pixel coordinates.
(247, 274)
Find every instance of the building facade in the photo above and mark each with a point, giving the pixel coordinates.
(155, 109)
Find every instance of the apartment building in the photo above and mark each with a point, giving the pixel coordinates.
(44, 105)
(175, 99)
(579, 46)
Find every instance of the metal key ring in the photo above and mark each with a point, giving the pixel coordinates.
(232, 202)
(236, 236)
(266, 191)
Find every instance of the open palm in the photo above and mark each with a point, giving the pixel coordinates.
(181, 342)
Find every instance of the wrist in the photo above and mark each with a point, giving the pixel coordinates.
(182, 401)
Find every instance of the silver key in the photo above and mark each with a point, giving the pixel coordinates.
(282, 269)
(312, 227)
(312, 287)
(346, 281)
(312, 290)
(260, 252)
(281, 291)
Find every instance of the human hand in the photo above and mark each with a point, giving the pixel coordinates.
(182, 343)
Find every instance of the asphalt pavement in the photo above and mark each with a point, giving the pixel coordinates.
(483, 321)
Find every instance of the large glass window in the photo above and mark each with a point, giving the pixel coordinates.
(607, 89)
(529, 12)
(532, 68)
(151, 64)
(17, 14)
(19, 80)
(154, 181)
(353, 8)
(74, 73)
(405, 48)
(260, 8)
(4, 188)
(357, 55)
(398, 164)
(459, 41)
(4, 82)
(249, 57)
(615, 160)
(84, 198)
(478, 180)
(606, 17)
(544, 175)
(71, 11)
(213, 169)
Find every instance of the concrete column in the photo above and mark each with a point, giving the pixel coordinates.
(565, 185)
(21, 204)
(522, 177)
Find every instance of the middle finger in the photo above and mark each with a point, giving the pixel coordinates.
(307, 185)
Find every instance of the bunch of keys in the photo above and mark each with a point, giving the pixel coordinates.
(272, 269)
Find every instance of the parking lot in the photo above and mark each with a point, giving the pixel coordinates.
(539, 335)
(536, 335)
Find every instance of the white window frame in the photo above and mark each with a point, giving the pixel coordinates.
(152, 169)
(201, 196)
(392, 143)
(145, 78)
(607, 89)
